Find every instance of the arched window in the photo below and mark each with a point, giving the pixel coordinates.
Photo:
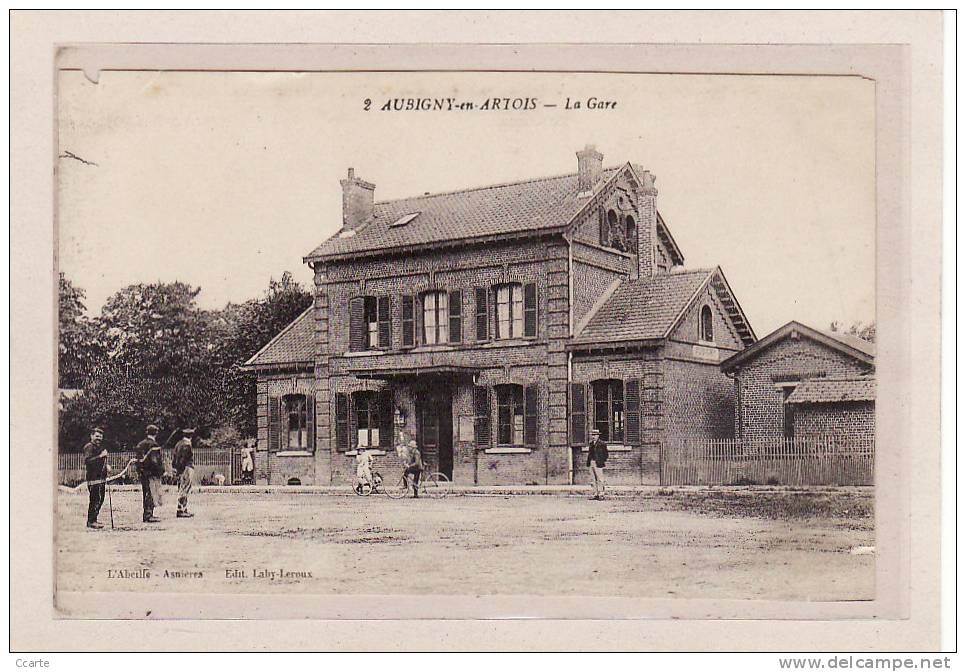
(509, 415)
(707, 325)
(435, 317)
(297, 423)
(630, 234)
(609, 409)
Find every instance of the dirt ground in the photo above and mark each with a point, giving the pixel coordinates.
(698, 544)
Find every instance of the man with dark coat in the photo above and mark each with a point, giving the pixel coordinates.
(183, 464)
(95, 461)
(150, 466)
(596, 459)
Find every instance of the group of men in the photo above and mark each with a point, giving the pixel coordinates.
(148, 461)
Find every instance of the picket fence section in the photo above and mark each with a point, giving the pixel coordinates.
(208, 462)
(822, 460)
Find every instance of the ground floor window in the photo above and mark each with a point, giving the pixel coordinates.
(609, 409)
(369, 419)
(509, 412)
(297, 414)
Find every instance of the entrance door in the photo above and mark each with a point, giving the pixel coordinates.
(435, 408)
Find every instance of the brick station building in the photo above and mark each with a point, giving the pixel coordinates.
(496, 326)
(802, 383)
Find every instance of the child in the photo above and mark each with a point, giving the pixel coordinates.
(363, 468)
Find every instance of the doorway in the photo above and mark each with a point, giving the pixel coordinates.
(434, 409)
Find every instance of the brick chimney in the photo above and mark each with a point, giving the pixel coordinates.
(646, 225)
(590, 167)
(357, 199)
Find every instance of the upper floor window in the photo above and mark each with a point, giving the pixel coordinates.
(609, 409)
(296, 413)
(435, 317)
(370, 323)
(516, 310)
(630, 234)
(707, 325)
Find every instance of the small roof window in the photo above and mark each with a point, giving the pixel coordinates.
(404, 220)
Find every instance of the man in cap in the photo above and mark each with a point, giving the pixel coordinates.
(150, 467)
(596, 459)
(183, 464)
(95, 460)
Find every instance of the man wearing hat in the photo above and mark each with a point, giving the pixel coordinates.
(95, 460)
(183, 464)
(596, 459)
(150, 467)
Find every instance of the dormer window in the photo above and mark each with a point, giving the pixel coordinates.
(707, 325)
(404, 220)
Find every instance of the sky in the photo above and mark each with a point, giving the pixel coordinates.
(225, 180)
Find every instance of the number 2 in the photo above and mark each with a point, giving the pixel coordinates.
(366, 103)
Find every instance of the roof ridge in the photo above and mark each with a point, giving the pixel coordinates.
(489, 186)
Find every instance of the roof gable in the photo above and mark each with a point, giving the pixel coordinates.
(854, 347)
(651, 308)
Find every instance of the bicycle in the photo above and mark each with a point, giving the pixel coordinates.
(432, 484)
(365, 489)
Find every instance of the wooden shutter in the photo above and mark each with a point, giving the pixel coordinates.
(531, 406)
(386, 413)
(310, 422)
(341, 422)
(408, 321)
(482, 314)
(481, 421)
(274, 423)
(357, 323)
(632, 411)
(383, 317)
(578, 414)
(353, 424)
(530, 310)
(455, 316)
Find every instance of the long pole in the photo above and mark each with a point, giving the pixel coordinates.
(110, 503)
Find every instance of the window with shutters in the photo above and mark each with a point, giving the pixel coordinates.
(296, 421)
(510, 319)
(609, 409)
(435, 317)
(578, 414)
(370, 326)
(509, 415)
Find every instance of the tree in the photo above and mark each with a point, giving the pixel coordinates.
(863, 330)
(78, 348)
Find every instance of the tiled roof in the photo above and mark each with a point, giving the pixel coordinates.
(830, 390)
(295, 344)
(644, 309)
(518, 207)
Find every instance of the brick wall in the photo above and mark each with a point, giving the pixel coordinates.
(699, 401)
(761, 403)
(594, 270)
(848, 421)
(270, 467)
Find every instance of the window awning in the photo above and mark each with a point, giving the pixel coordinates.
(416, 372)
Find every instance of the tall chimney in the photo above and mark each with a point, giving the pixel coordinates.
(590, 165)
(357, 199)
(647, 225)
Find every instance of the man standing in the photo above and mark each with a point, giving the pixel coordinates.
(95, 460)
(414, 465)
(596, 459)
(150, 468)
(183, 464)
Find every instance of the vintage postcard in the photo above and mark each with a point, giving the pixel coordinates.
(416, 342)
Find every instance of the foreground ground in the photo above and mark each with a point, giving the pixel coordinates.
(708, 544)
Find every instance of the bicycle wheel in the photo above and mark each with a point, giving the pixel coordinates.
(398, 490)
(363, 489)
(435, 485)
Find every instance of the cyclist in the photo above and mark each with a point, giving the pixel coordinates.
(363, 468)
(414, 465)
